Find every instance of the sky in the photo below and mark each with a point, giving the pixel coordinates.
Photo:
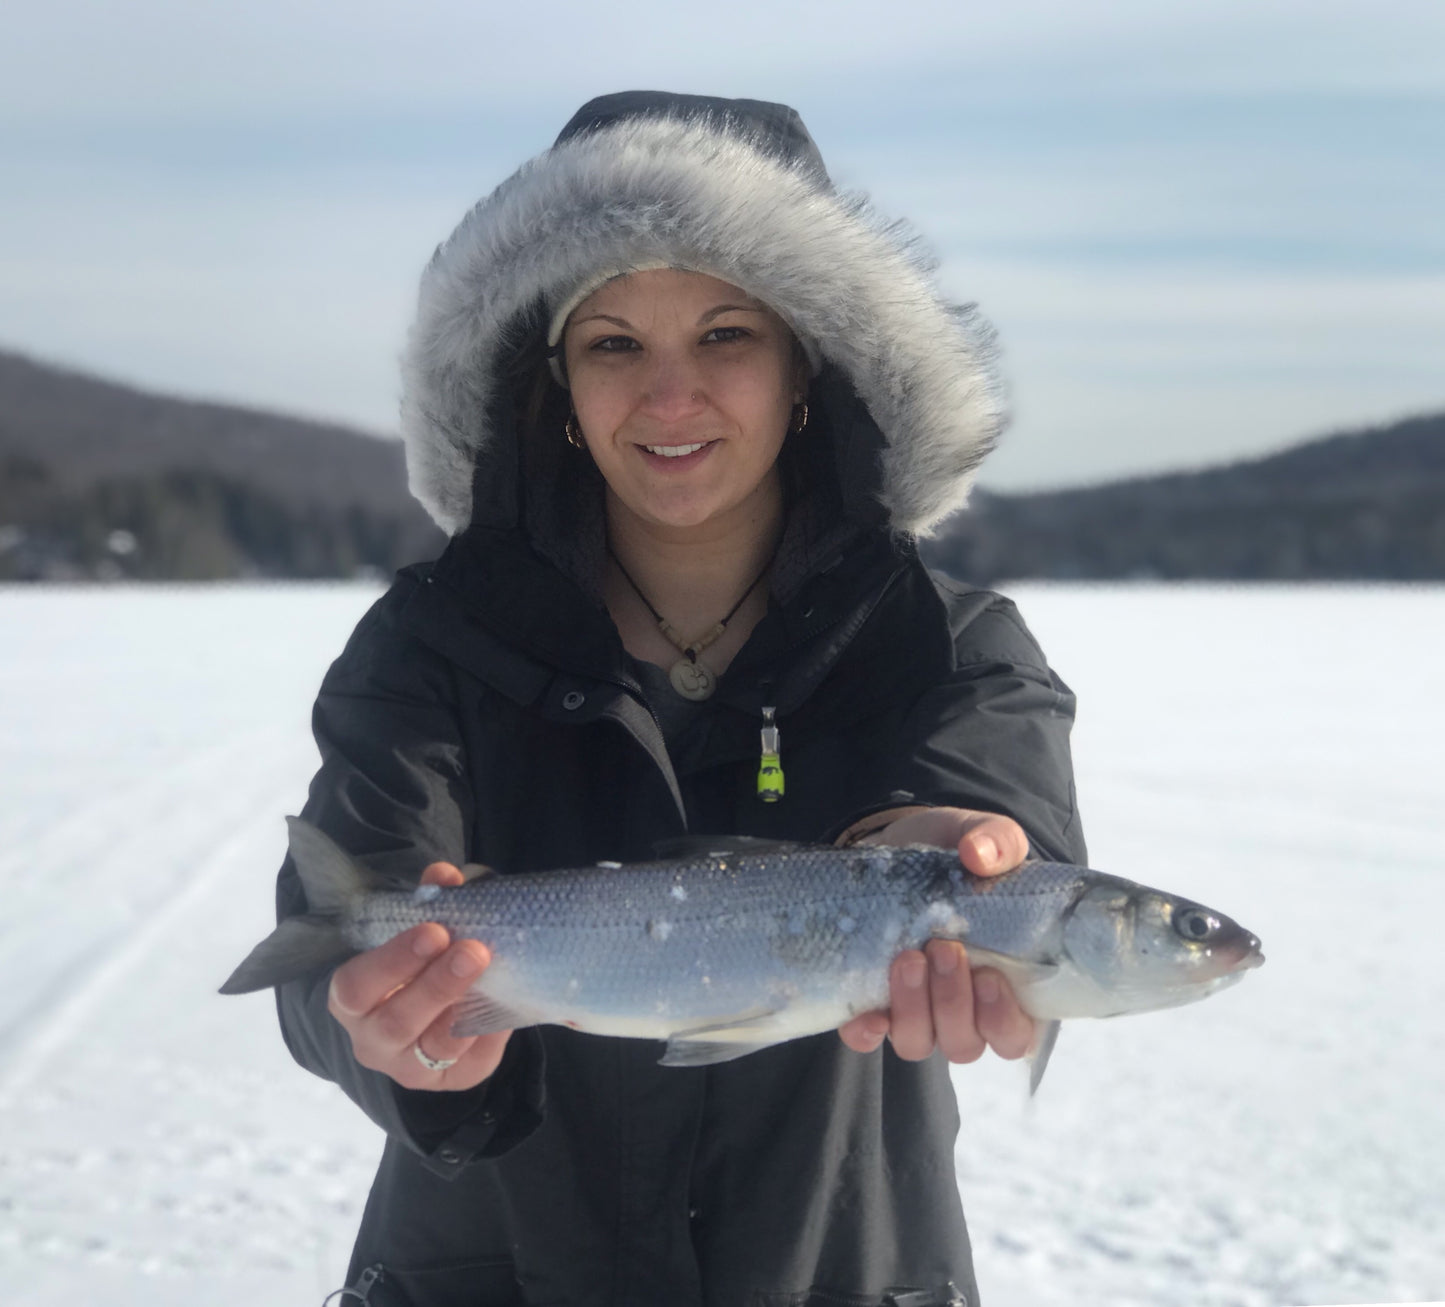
(1203, 231)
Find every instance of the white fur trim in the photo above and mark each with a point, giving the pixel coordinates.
(695, 194)
(563, 311)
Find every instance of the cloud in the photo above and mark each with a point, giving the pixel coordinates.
(270, 57)
(1200, 227)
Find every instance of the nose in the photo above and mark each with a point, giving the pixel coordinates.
(672, 388)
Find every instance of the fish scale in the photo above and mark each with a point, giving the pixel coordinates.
(707, 938)
(750, 944)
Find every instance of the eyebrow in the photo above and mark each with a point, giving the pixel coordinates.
(730, 308)
(603, 317)
(715, 312)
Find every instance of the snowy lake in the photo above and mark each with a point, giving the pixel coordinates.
(1274, 752)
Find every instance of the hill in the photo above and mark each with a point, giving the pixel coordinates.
(103, 480)
(1364, 505)
(99, 480)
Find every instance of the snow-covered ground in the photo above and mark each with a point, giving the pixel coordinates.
(1275, 753)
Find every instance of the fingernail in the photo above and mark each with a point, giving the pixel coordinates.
(464, 963)
(987, 849)
(914, 974)
(944, 959)
(428, 944)
(985, 987)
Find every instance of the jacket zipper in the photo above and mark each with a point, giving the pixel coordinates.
(361, 1290)
(770, 765)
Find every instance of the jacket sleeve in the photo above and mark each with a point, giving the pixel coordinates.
(394, 791)
(991, 734)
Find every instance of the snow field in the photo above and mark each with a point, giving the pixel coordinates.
(159, 1145)
(1275, 753)
(1272, 752)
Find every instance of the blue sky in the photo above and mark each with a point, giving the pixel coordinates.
(1203, 230)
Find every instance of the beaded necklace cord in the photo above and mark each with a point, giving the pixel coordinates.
(690, 678)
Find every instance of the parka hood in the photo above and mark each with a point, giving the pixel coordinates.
(736, 189)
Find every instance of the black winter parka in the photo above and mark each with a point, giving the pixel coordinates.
(484, 711)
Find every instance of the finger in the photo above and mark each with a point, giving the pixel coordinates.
(992, 843)
(397, 1023)
(866, 1032)
(1007, 1028)
(910, 1016)
(477, 1058)
(438, 1042)
(362, 984)
(951, 996)
(442, 873)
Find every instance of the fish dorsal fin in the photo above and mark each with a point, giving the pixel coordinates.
(701, 846)
(477, 871)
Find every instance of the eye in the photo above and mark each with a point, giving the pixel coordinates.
(613, 344)
(1195, 924)
(725, 335)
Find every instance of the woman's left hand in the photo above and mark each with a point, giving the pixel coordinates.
(935, 999)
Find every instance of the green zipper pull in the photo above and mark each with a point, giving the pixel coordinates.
(770, 767)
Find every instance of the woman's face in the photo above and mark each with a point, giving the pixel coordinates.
(683, 386)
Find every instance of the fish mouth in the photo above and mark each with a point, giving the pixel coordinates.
(1242, 955)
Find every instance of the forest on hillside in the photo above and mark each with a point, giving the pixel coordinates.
(105, 482)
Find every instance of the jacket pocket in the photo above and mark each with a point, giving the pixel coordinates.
(482, 1282)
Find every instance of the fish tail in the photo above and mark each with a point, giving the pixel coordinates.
(333, 881)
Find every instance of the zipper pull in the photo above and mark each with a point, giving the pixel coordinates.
(770, 766)
(361, 1290)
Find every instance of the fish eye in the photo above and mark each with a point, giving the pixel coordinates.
(1195, 924)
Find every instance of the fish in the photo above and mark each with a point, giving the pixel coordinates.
(730, 945)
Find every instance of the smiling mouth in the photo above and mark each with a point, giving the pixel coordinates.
(676, 451)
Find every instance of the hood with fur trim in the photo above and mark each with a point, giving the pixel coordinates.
(731, 188)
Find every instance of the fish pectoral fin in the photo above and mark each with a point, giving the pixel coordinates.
(1046, 1036)
(1017, 971)
(481, 1014)
(722, 1041)
(1023, 974)
(475, 871)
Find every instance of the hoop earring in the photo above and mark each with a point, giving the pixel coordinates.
(800, 418)
(574, 433)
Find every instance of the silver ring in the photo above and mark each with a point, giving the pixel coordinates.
(432, 1063)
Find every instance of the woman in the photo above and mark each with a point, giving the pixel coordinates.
(682, 408)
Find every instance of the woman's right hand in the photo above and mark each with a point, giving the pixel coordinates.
(398, 997)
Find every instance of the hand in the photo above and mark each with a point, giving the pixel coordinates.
(935, 1000)
(401, 994)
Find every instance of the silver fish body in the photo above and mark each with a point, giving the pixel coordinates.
(738, 948)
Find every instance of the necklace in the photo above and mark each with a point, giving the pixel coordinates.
(690, 678)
